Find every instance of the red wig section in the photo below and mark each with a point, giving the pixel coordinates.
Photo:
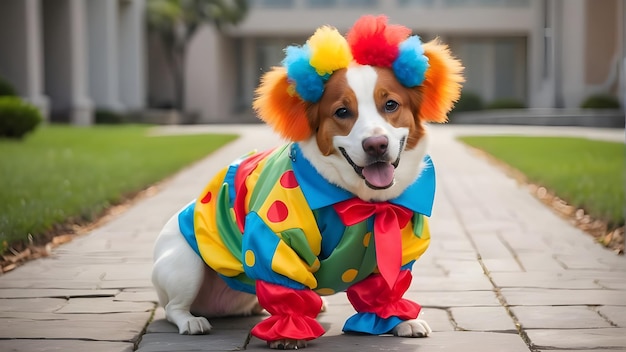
(375, 43)
(442, 83)
(284, 112)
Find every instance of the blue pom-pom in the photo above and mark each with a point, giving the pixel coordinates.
(411, 64)
(309, 85)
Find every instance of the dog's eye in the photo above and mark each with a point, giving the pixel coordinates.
(391, 106)
(342, 113)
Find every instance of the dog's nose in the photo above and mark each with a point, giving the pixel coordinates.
(375, 146)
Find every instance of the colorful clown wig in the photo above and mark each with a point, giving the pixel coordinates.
(285, 92)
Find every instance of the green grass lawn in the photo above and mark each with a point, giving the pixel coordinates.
(585, 173)
(64, 173)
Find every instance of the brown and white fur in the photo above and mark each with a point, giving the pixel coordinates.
(365, 112)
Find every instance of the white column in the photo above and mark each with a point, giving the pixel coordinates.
(82, 108)
(34, 57)
(570, 60)
(65, 48)
(250, 71)
(104, 87)
(21, 50)
(131, 41)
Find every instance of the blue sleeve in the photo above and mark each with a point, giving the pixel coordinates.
(259, 246)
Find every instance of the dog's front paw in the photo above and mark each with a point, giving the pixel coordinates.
(287, 344)
(412, 328)
(195, 326)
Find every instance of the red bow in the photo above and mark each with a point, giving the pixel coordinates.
(389, 219)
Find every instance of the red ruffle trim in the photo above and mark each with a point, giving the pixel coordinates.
(293, 313)
(373, 295)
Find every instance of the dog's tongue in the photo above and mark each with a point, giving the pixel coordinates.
(379, 174)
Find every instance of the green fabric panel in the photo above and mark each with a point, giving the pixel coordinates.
(418, 224)
(226, 225)
(273, 168)
(296, 239)
(350, 253)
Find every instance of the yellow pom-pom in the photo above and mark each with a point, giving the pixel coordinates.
(329, 51)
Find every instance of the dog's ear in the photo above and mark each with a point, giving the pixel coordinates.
(278, 104)
(442, 83)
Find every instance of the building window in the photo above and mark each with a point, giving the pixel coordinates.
(275, 4)
(421, 3)
(321, 3)
(360, 3)
(504, 3)
(547, 40)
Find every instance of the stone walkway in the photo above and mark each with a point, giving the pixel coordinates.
(503, 273)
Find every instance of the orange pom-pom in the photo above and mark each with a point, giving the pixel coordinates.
(277, 104)
(442, 83)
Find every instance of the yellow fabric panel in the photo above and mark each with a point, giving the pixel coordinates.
(286, 262)
(213, 251)
(412, 246)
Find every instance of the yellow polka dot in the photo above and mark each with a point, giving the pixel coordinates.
(315, 266)
(349, 275)
(366, 239)
(325, 291)
(250, 259)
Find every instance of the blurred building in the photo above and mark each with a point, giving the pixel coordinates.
(71, 57)
(544, 53)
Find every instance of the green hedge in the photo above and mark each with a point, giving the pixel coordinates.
(600, 101)
(505, 103)
(468, 101)
(6, 89)
(17, 117)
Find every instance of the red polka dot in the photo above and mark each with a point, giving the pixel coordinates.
(288, 180)
(207, 198)
(277, 212)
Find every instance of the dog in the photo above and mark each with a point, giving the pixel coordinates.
(342, 206)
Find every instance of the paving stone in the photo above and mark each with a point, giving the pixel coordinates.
(518, 241)
(616, 349)
(103, 327)
(161, 325)
(547, 297)
(148, 295)
(578, 338)
(126, 284)
(460, 267)
(448, 299)
(104, 305)
(228, 340)
(31, 304)
(437, 319)
(54, 293)
(613, 283)
(577, 262)
(562, 317)
(23, 345)
(502, 265)
(452, 283)
(490, 247)
(617, 315)
(47, 283)
(217, 340)
(453, 246)
(560, 280)
(541, 262)
(483, 319)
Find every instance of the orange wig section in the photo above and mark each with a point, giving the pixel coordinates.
(442, 84)
(284, 112)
